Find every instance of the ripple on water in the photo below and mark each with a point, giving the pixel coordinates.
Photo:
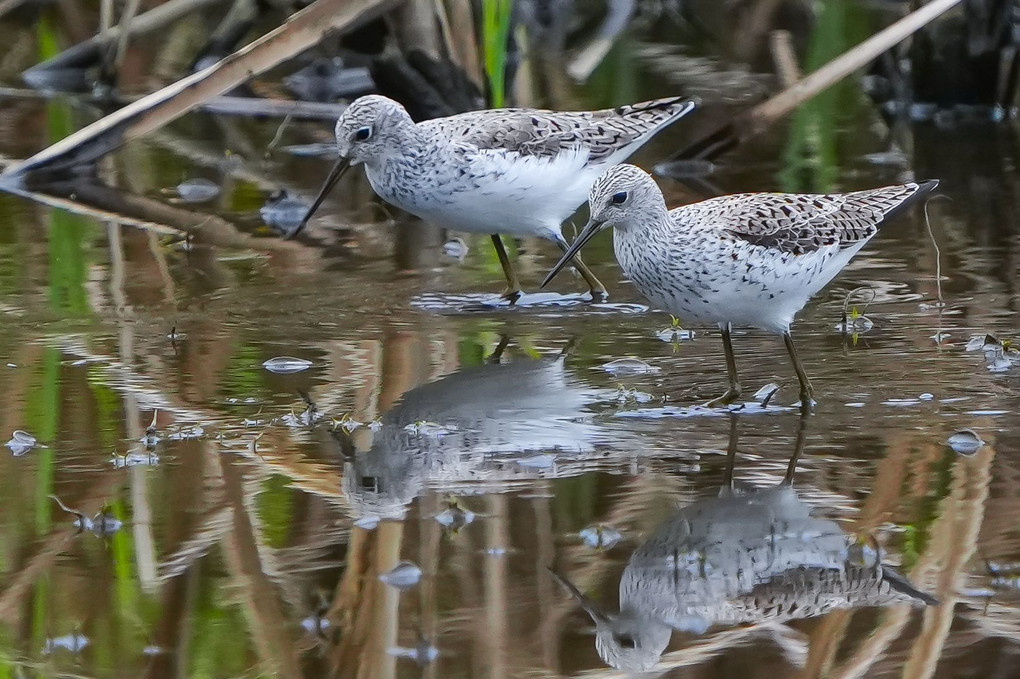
(466, 303)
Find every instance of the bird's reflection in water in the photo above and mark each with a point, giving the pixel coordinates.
(746, 556)
(494, 422)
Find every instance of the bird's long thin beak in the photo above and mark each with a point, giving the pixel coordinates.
(341, 166)
(589, 606)
(589, 230)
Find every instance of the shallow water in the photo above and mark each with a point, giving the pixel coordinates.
(237, 518)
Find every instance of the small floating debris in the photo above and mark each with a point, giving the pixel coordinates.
(186, 433)
(285, 365)
(402, 576)
(197, 190)
(852, 320)
(979, 342)
(901, 402)
(455, 516)
(600, 536)
(423, 654)
(927, 396)
(940, 337)
(1000, 355)
(283, 213)
(102, 524)
(625, 395)
(347, 424)
(456, 248)
(855, 325)
(135, 459)
(765, 394)
(675, 333)
(73, 643)
(629, 366)
(965, 442)
(21, 442)
(426, 428)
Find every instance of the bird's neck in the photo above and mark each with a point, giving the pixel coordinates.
(632, 240)
(409, 145)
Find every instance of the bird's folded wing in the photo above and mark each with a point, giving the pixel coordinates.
(802, 223)
(533, 132)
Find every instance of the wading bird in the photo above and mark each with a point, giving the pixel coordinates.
(518, 172)
(751, 259)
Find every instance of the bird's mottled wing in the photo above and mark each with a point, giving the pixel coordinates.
(802, 223)
(540, 133)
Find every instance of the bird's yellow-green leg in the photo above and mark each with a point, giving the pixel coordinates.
(806, 392)
(513, 290)
(598, 291)
(733, 393)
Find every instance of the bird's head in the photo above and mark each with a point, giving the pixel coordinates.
(624, 197)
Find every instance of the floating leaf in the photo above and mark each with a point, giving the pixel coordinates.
(402, 576)
(21, 442)
(197, 190)
(284, 365)
(965, 442)
(600, 537)
(629, 366)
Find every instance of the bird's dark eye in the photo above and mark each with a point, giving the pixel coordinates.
(363, 133)
(619, 198)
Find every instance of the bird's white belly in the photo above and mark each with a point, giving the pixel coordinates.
(709, 286)
(516, 196)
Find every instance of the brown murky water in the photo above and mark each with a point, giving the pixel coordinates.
(244, 534)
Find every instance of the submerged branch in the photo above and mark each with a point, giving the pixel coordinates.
(300, 32)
